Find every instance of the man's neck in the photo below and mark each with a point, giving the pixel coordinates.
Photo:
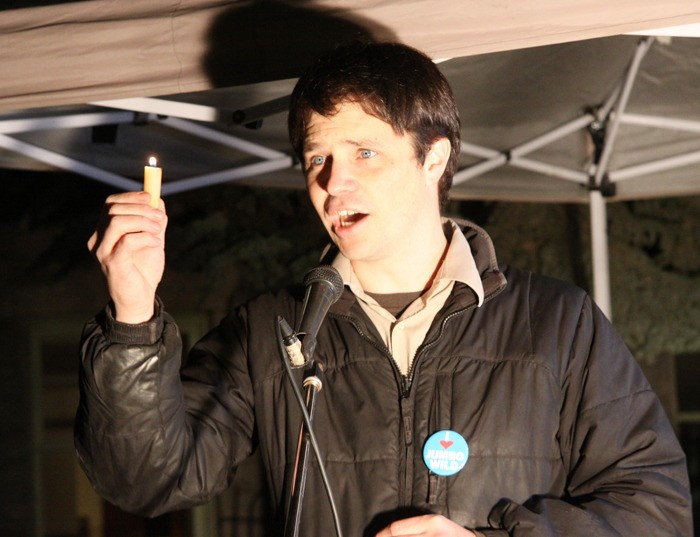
(414, 272)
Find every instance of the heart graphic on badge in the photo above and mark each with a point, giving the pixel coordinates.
(445, 452)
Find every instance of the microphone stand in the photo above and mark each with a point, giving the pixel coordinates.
(312, 382)
(291, 348)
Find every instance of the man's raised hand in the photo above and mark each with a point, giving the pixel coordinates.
(129, 244)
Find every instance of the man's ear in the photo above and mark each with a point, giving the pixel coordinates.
(436, 158)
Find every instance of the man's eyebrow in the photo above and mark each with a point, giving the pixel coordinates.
(311, 146)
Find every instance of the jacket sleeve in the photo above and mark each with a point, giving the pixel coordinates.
(149, 441)
(626, 473)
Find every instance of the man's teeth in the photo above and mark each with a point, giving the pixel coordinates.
(345, 217)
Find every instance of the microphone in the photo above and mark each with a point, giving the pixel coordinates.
(323, 289)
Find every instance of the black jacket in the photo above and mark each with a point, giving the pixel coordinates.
(565, 435)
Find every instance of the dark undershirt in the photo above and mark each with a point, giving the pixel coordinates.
(395, 303)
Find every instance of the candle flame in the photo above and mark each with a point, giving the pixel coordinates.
(152, 161)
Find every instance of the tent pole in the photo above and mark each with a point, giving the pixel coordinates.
(599, 223)
(599, 248)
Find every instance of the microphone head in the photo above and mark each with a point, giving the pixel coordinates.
(328, 275)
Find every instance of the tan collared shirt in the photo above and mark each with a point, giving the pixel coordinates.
(403, 336)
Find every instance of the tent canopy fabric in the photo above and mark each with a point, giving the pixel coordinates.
(528, 118)
(212, 58)
(79, 52)
(556, 105)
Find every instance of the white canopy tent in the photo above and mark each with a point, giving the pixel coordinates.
(92, 87)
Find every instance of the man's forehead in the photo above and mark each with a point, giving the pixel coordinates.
(349, 114)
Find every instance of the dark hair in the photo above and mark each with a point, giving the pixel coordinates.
(392, 82)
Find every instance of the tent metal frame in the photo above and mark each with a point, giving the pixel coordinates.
(193, 119)
(598, 179)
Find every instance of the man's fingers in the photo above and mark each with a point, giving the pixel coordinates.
(92, 242)
(130, 242)
(105, 239)
(115, 222)
(137, 196)
(425, 525)
(134, 242)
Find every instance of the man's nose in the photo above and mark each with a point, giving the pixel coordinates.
(340, 178)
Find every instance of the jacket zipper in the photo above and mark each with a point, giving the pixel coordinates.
(406, 467)
(408, 380)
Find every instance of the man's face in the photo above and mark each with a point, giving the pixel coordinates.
(366, 185)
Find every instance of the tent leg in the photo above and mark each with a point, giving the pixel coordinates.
(599, 246)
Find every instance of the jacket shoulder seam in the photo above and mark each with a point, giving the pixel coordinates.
(616, 400)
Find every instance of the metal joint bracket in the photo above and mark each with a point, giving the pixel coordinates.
(607, 188)
(597, 130)
(141, 119)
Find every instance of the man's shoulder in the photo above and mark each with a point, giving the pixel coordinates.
(274, 301)
(538, 281)
(543, 290)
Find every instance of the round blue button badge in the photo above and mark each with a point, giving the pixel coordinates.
(445, 452)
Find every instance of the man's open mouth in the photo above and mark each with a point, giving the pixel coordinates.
(347, 218)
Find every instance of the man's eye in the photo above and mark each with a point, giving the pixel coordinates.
(366, 153)
(317, 160)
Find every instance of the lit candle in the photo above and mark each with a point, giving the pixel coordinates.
(152, 176)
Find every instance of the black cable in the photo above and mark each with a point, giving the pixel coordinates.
(307, 421)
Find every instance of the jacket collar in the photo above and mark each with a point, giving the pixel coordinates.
(484, 254)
